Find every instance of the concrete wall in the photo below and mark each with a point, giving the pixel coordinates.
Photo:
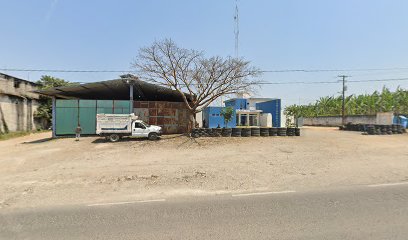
(385, 118)
(17, 104)
(173, 117)
(380, 118)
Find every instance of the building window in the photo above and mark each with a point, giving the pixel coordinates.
(16, 83)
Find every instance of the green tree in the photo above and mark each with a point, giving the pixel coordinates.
(383, 101)
(227, 114)
(45, 108)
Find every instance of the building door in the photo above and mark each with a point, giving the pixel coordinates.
(253, 120)
(139, 130)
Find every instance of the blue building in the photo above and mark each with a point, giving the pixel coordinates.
(261, 112)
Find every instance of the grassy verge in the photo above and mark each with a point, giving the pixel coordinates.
(10, 135)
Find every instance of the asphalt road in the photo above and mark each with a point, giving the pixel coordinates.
(361, 212)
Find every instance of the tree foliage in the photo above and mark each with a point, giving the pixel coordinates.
(227, 113)
(364, 104)
(45, 108)
(199, 80)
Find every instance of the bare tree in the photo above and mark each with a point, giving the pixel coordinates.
(198, 79)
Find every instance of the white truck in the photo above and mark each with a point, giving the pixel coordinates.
(116, 126)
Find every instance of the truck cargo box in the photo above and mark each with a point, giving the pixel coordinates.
(114, 123)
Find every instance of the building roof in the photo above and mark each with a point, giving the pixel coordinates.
(251, 98)
(117, 89)
(7, 77)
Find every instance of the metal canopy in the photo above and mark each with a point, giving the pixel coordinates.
(118, 89)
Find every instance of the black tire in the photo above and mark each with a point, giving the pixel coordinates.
(256, 132)
(264, 132)
(282, 132)
(246, 132)
(114, 137)
(216, 132)
(297, 132)
(153, 136)
(290, 132)
(236, 132)
(195, 133)
(226, 132)
(273, 132)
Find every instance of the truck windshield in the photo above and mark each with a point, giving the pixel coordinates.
(147, 125)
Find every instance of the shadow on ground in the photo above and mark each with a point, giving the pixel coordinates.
(39, 141)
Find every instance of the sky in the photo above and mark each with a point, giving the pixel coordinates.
(274, 35)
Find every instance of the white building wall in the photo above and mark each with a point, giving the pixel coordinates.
(199, 119)
(265, 120)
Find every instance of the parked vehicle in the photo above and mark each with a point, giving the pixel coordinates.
(116, 126)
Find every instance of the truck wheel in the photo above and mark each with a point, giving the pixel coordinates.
(114, 137)
(153, 136)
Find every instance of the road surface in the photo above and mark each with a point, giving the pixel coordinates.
(360, 212)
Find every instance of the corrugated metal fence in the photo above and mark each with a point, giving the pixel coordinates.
(71, 112)
(173, 117)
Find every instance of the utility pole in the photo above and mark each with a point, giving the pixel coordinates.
(236, 28)
(343, 99)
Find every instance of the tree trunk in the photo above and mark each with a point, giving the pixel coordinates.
(192, 121)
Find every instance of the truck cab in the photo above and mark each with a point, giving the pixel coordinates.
(142, 129)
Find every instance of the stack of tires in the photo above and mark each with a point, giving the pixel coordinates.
(226, 132)
(236, 132)
(273, 132)
(282, 132)
(297, 132)
(255, 132)
(217, 132)
(394, 128)
(371, 130)
(195, 133)
(383, 129)
(377, 129)
(264, 132)
(206, 132)
(246, 132)
(400, 129)
(389, 129)
(290, 132)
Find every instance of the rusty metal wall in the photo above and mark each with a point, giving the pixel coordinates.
(173, 117)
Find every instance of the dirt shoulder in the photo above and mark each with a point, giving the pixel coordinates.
(36, 170)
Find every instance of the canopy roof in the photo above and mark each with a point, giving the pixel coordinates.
(117, 89)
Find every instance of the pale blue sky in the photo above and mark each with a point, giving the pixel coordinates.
(286, 34)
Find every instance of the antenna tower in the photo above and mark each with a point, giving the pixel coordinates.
(236, 28)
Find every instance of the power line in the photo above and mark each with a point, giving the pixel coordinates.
(263, 71)
(324, 82)
(261, 83)
(335, 82)
(335, 70)
(65, 70)
(381, 80)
